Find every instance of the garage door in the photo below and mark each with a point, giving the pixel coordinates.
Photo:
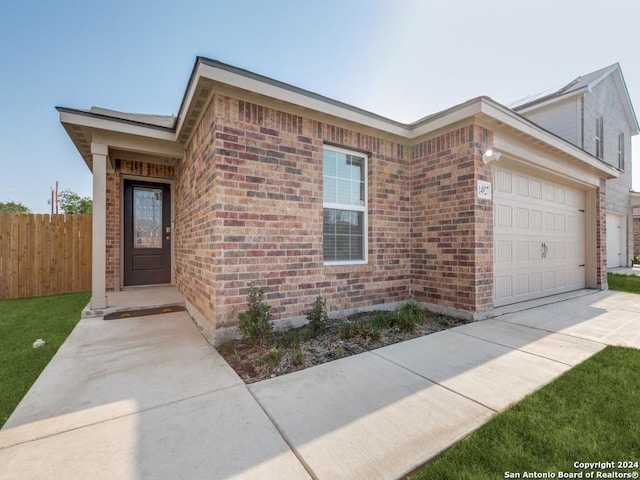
(539, 237)
(615, 234)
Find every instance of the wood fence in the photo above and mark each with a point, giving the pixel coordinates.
(44, 254)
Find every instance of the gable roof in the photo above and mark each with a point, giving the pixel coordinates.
(169, 135)
(581, 85)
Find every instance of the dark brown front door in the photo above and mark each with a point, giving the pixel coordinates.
(147, 233)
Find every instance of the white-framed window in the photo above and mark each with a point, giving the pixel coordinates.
(344, 180)
(621, 151)
(599, 137)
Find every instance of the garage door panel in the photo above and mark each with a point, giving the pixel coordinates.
(504, 216)
(504, 287)
(539, 238)
(504, 249)
(535, 282)
(550, 192)
(522, 185)
(522, 251)
(522, 282)
(522, 215)
(549, 222)
(503, 181)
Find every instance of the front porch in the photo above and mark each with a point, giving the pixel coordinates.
(137, 298)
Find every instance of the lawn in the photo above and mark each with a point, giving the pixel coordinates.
(623, 283)
(589, 414)
(22, 322)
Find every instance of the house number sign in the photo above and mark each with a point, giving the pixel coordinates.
(484, 190)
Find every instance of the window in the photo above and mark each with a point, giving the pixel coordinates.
(344, 176)
(599, 137)
(621, 151)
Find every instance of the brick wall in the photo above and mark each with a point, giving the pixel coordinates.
(114, 210)
(452, 231)
(250, 210)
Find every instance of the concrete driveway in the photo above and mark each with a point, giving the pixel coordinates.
(149, 398)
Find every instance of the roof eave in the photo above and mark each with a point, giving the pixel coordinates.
(549, 100)
(97, 120)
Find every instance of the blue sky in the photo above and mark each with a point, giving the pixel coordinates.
(400, 58)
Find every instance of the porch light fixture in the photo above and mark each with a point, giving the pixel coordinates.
(491, 155)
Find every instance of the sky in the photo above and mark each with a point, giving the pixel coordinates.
(403, 59)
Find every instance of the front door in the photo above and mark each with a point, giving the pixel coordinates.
(147, 233)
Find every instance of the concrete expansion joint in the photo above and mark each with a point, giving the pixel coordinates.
(551, 331)
(293, 449)
(117, 417)
(435, 382)
(512, 348)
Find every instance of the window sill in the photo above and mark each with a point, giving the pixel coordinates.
(347, 268)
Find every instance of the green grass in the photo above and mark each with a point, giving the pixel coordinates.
(589, 414)
(22, 322)
(623, 283)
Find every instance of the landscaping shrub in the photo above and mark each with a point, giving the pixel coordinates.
(346, 330)
(409, 316)
(255, 321)
(318, 316)
(272, 358)
(297, 357)
(384, 320)
(292, 338)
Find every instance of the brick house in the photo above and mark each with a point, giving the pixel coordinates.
(259, 181)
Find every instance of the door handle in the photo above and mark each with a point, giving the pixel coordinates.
(545, 250)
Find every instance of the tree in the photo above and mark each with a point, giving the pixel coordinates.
(13, 207)
(71, 202)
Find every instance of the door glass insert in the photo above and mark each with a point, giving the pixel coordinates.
(147, 217)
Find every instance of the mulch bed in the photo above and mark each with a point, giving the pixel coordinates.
(254, 362)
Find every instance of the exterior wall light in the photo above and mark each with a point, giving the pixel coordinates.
(491, 155)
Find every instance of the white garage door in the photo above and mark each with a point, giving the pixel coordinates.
(615, 234)
(539, 237)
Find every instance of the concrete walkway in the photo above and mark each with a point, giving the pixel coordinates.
(147, 397)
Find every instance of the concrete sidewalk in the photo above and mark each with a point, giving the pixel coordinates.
(149, 398)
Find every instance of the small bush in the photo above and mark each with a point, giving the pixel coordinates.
(255, 322)
(271, 359)
(366, 330)
(409, 316)
(297, 357)
(374, 332)
(318, 316)
(383, 320)
(292, 338)
(346, 330)
(340, 351)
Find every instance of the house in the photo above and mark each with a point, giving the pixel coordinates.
(595, 113)
(259, 181)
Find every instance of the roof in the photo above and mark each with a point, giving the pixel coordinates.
(165, 121)
(579, 85)
(169, 135)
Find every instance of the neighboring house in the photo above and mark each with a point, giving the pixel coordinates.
(595, 113)
(259, 181)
